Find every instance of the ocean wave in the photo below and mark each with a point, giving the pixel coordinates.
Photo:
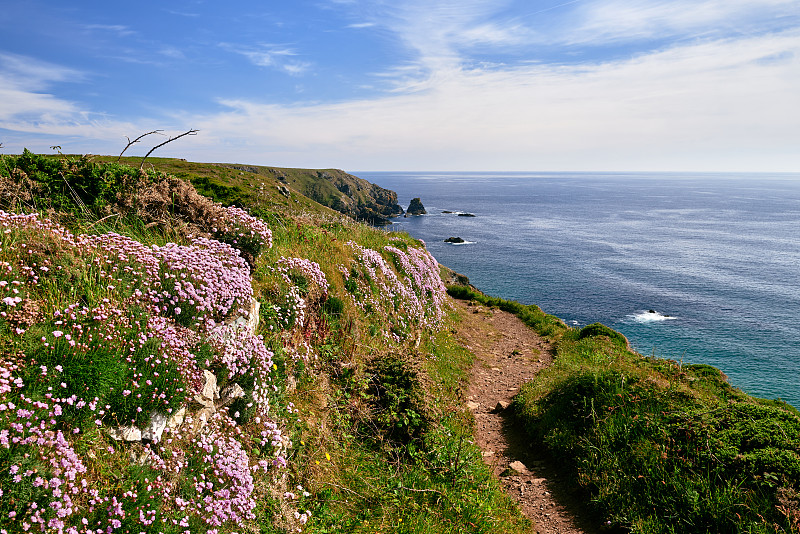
(462, 243)
(650, 316)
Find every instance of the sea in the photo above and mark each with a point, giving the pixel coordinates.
(698, 268)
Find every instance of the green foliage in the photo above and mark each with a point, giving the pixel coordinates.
(396, 398)
(74, 185)
(598, 329)
(661, 447)
(436, 483)
(226, 195)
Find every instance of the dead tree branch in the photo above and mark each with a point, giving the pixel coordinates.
(171, 139)
(135, 141)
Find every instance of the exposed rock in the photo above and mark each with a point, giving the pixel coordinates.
(251, 320)
(471, 405)
(177, 418)
(519, 467)
(501, 406)
(454, 240)
(125, 433)
(446, 211)
(153, 432)
(466, 215)
(230, 394)
(416, 207)
(210, 394)
(452, 278)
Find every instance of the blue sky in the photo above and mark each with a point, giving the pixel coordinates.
(693, 85)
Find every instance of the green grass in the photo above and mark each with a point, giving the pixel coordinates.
(402, 462)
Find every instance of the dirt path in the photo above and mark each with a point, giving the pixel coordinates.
(508, 354)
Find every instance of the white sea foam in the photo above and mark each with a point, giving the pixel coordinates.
(463, 243)
(650, 316)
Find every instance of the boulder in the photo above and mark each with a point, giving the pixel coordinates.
(454, 240)
(466, 215)
(416, 207)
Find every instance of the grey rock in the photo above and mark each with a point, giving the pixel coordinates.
(125, 433)
(154, 430)
(230, 394)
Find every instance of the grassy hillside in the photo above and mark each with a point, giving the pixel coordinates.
(170, 364)
(280, 188)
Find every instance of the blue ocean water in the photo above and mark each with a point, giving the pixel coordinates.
(702, 268)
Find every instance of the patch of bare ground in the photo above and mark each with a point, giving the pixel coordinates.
(509, 353)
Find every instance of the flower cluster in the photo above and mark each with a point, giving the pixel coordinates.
(412, 295)
(306, 285)
(201, 282)
(238, 228)
(50, 477)
(242, 353)
(128, 339)
(309, 269)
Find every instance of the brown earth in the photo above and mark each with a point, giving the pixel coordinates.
(508, 353)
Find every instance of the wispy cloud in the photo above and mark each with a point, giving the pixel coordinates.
(172, 52)
(118, 29)
(27, 106)
(271, 56)
(182, 13)
(624, 20)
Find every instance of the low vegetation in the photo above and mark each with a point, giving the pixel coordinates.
(657, 446)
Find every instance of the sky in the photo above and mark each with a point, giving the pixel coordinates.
(410, 85)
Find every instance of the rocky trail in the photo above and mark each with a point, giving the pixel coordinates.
(508, 353)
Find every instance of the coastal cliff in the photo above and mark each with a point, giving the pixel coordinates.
(338, 190)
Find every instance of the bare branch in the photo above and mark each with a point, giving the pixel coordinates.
(190, 132)
(135, 141)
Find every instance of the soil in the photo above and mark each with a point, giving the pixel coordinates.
(508, 353)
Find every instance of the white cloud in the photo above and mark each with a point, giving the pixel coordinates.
(717, 105)
(22, 84)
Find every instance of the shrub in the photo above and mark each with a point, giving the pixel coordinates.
(396, 398)
(598, 329)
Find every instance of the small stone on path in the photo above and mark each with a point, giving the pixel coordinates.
(501, 406)
(519, 467)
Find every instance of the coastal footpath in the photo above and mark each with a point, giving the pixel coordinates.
(205, 348)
